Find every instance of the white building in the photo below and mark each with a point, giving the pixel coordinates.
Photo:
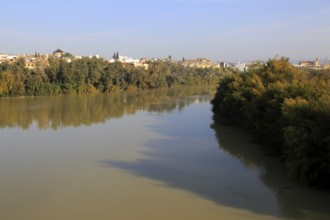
(97, 56)
(125, 59)
(3, 56)
(240, 66)
(58, 53)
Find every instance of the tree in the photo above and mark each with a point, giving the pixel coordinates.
(92, 74)
(68, 55)
(6, 83)
(289, 112)
(115, 56)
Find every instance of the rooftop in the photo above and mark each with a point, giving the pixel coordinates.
(58, 51)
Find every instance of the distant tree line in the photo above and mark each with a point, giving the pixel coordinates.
(288, 110)
(90, 75)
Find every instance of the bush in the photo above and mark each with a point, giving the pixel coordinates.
(289, 112)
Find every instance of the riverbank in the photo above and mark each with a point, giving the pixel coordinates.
(288, 110)
(150, 152)
(92, 75)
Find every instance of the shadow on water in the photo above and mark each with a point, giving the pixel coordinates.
(294, 201)
(225, 168)
(230, 171)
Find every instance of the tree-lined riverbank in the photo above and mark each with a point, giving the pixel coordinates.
(90, 75)
(289, 112)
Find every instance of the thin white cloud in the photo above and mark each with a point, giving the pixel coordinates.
(317, 16)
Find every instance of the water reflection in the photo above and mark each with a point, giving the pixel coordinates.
(62, 111)
(231, 171)
(295, 201)
(219, 164)
(188, 158)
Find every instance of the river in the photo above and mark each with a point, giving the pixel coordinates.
(147, 155)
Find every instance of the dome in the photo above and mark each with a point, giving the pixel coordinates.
(58, 51)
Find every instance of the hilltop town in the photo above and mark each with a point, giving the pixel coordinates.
(33, 60)
(37, 59)
(64, 73)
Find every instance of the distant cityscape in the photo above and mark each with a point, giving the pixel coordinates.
(33, 60)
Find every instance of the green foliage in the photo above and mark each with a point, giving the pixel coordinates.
(68, 55)
(91, 75)
(115, 56)
(288, 110)
(6, 83)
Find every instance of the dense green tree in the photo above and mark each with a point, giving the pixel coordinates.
(37, 85)
(289, 111)
(6, 83)
(89, 75)
(115, 56)
(68, 55)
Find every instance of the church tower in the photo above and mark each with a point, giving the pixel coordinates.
(316, 63)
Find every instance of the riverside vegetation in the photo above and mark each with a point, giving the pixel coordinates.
(288, 109)
(90, 75)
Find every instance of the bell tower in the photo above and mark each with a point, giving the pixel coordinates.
(316, 63)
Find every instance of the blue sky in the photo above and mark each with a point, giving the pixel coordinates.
(221, 30)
